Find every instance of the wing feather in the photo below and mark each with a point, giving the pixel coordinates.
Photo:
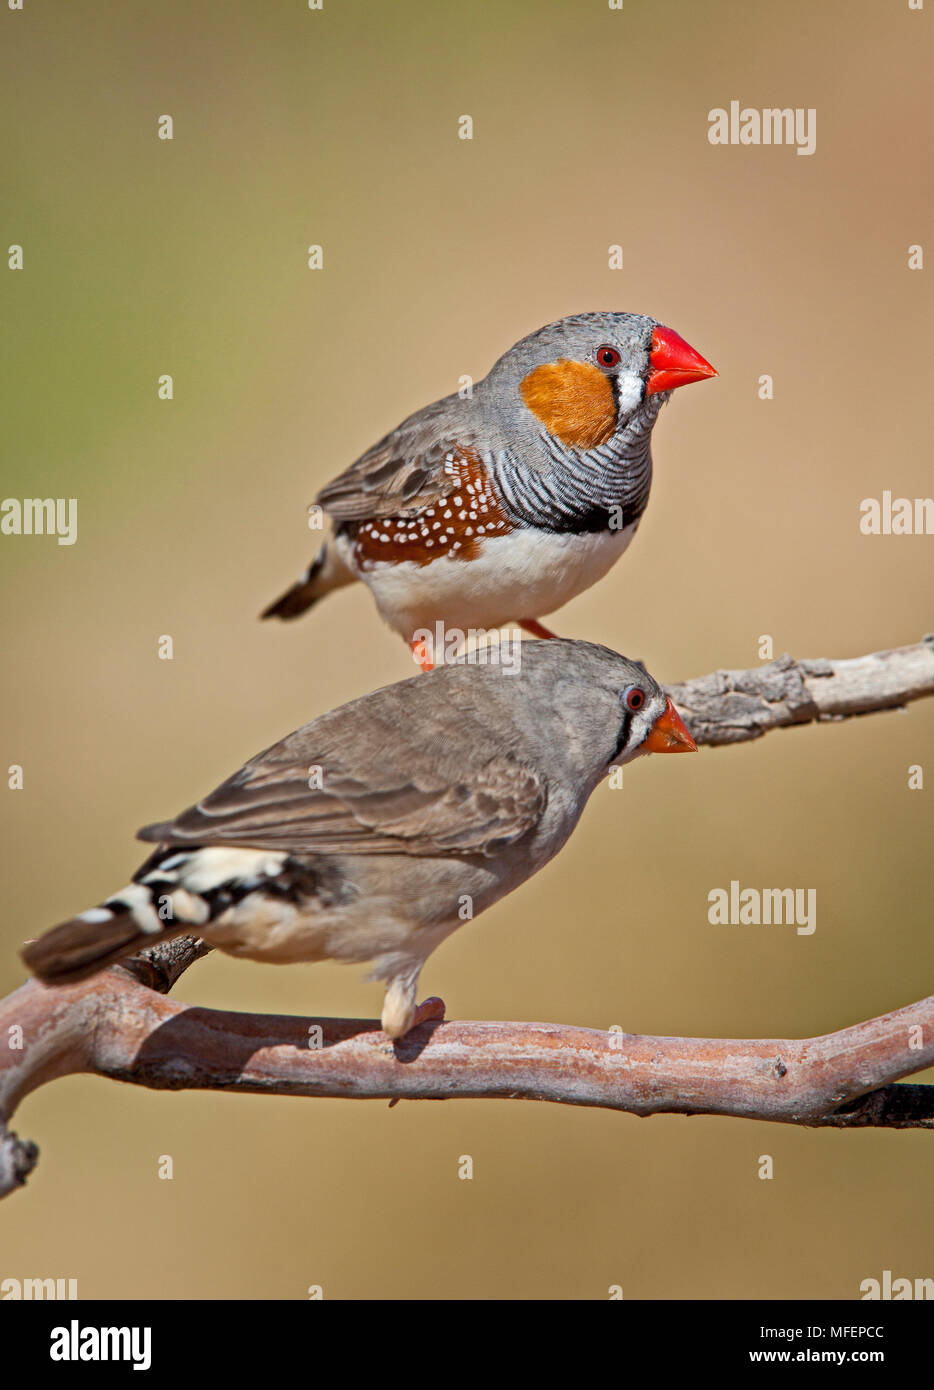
(271, 806)
(405, 471)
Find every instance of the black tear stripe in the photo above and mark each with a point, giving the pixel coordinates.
(614, 387)
(623, 739)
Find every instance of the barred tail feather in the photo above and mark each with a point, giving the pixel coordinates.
(174, 892)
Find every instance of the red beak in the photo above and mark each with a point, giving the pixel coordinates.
(674, 362)
(668, 734)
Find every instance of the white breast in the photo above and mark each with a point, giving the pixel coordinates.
(525, 574)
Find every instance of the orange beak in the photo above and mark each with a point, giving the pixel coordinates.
(673, 362)
(669, 735)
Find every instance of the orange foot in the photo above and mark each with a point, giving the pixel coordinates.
(533, 626)
(420, 653)
(428, 1009)
(396, 1028)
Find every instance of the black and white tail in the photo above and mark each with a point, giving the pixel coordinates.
(174, 892)
(326, 572)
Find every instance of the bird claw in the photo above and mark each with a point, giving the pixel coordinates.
(397, 1027)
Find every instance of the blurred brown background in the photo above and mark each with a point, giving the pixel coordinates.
(144, 257)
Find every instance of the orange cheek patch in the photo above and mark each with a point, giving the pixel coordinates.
(573, 400)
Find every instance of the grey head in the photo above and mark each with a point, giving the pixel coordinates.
(581, 707)
(578, 339)
(569, 413)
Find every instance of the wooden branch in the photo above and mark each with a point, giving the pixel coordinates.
(119, 1024)
(734, 706)
(114, 1026)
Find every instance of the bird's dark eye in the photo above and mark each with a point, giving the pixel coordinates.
(608, 356)
(634, 698)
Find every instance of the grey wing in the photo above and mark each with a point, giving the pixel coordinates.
(310, 808)
(405, 471)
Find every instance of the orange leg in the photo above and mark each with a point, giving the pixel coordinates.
(533, 626)
(420, 653)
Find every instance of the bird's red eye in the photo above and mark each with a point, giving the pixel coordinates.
(635, 698)
(607, 356)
